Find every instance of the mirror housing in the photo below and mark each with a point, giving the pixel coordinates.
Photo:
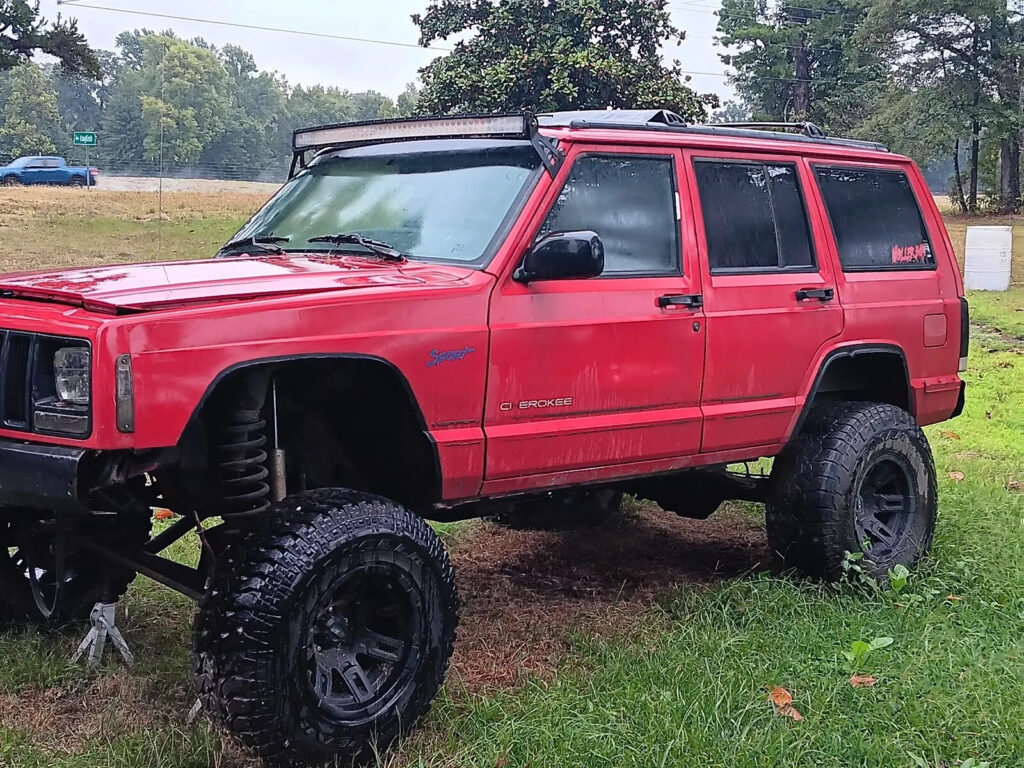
(563, 256)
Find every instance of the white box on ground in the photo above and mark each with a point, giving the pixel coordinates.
(987, 258)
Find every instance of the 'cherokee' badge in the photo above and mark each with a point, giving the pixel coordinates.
(525, 405)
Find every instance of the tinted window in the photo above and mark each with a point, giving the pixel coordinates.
(630, 203)
(754, 216)
(875, 218)
(442, 200)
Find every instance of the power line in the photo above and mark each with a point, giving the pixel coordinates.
(221, 23)
(735, 16)
(307, 33)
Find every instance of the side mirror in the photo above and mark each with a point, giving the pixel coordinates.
(563, 256)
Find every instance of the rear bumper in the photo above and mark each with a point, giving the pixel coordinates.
(43, 477)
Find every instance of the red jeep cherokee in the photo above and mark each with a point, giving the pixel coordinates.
(453, 317)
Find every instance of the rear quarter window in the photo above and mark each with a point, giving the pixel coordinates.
(875, 218)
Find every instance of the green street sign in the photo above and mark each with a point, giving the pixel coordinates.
(85, 139)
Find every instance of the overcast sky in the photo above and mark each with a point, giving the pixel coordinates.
(356, 66)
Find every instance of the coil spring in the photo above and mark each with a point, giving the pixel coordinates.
(242, 466)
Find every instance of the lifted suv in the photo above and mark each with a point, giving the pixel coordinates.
(404, 332)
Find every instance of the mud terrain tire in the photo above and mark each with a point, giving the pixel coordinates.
(327, 634)
(858, 472)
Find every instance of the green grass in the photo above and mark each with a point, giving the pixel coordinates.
(689, 686)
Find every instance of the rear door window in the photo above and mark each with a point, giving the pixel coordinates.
(754, 217)
(875, 218)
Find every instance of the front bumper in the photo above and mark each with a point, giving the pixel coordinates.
(43, 477)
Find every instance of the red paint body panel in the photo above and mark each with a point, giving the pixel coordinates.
(622, 386)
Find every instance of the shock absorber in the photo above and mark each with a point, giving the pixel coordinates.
(241, 465)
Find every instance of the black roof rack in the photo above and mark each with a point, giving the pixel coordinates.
(806, 128)
(664, 120)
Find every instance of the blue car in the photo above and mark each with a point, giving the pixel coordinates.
(42, 169)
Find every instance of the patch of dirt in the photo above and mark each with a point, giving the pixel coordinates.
(524, 593)
(68, 719)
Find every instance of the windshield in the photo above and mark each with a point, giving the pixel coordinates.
(436, 201)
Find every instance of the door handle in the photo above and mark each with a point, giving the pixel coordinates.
(691, 300)
(822, 294)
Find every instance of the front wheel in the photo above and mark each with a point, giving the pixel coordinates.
(10, 181)
(327, 633)
(859, 478)
(46, 579)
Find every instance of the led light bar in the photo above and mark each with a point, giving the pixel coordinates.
(499, 126)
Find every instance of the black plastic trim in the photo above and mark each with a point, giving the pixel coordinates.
(854, 350)
(741, 133)
(965, 327)
(284, 359)
(961, 401)
(42, 477)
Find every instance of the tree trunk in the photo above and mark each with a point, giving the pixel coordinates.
(802, 86)
(972, 194)
(958, 179)
(1009, 174)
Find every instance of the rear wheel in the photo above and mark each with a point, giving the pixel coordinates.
(860, 478)
(326, 635)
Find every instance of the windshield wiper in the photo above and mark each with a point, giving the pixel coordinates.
(261, 243)
(377, 247)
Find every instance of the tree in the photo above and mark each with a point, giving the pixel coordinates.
(24, 32)
(524, 54)
(967, 52)
(123, 128)
(82, 99)
(371, 105)
(185, 99)
(794, 62)
(407, 103)
(256, 119)
(31, 124)
(732, 112)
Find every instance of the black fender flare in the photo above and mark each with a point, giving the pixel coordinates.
(282, 360)
(847, 352)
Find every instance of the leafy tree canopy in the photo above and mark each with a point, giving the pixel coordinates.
(548, 55)
(30, 122)
(24, 32)
(795, 62)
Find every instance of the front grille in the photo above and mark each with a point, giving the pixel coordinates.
(28, 398)
(16, 379)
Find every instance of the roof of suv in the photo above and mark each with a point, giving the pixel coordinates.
(650, 126)
(663, 120)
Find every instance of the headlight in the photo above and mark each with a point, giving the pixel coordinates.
(71, 374)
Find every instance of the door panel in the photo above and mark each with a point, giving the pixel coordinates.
(765, 325)
(594, 373)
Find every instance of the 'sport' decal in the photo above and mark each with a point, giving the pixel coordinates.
(436, 357)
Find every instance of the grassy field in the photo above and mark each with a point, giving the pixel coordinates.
(652, 643)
